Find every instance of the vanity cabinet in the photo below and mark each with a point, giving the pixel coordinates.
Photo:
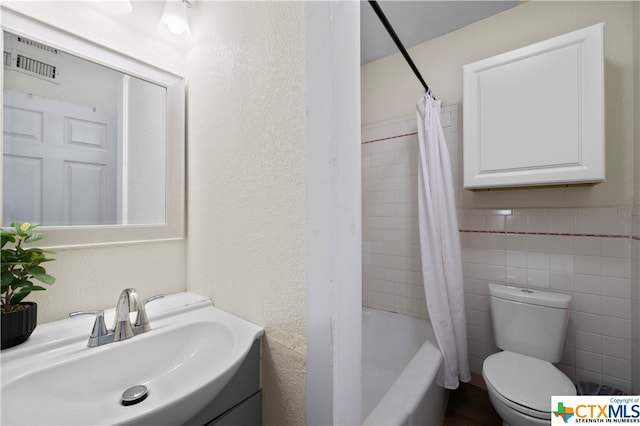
(535, 116)
(240, 402)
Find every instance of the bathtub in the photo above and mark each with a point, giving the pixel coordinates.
(401, 371)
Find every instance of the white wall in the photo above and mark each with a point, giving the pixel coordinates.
(334, 316)
(246, 193)
(92, 278)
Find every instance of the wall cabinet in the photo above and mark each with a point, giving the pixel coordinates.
(535, 116)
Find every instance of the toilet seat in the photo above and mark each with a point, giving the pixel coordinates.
(525, 384)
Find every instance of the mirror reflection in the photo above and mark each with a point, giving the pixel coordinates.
(83, 144)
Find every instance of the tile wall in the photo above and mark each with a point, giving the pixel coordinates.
(392, 272)
(590, 253)
(582, 252)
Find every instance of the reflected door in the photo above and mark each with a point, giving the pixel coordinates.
(62, 159)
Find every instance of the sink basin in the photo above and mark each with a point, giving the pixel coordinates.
(185, 360)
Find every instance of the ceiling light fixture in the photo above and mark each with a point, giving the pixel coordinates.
(174, 17)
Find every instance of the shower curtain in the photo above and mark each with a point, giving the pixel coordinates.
(440, 244)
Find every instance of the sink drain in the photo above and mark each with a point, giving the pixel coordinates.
(134, 395)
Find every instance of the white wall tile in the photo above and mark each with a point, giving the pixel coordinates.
(515, 223)
(616, 267)
(616, 327)
(591, 342)
(588, 224)
(612, 346)
(562, 223)
(516, 242)
(588, 246)
(616, 307)
(516, 259)
(588, 303)
(538, 260)
(589, 323)
(517, 276)
(616, 367)
(588, 284)
(561, 263)
(538, 223)
(616, 247)
(561, 281)
(588, 360)
(589, 265)
(616, 287)
(538, 278)
(561, 244)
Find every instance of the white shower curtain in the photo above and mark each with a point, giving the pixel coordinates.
(440, 244)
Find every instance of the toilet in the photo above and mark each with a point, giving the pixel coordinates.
(530, 327)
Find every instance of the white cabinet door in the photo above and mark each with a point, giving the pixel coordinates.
(535, 115)
(60, 162)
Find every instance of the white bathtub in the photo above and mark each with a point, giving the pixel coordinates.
(401, 371)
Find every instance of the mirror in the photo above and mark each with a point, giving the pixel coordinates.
(93, 141)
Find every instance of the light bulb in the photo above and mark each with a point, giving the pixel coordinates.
(175, 17)
(174, 28)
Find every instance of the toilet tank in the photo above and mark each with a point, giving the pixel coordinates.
(529, 322)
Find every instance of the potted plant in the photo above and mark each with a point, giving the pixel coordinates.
(21, 266)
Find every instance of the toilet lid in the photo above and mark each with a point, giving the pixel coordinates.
(526, 381)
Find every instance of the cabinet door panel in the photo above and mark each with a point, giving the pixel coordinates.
(535, 115)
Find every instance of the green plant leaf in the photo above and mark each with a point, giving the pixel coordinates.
(7, 237)
(19, 283)
(36, 236)
(42, 276)
(7, 277)
(20, 266)
(17, 298)
(31, 288)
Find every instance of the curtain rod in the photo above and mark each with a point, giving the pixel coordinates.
(376, 8)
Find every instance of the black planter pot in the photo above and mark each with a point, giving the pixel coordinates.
(18, 326)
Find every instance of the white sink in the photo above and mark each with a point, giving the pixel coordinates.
(185, 360)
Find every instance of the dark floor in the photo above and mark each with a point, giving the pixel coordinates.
(469, 405)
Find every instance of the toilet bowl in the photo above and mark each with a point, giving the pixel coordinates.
(520, 387)
(530, 327)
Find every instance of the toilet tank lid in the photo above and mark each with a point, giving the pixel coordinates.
(530, 296)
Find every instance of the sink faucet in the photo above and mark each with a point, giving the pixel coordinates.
(128, 303)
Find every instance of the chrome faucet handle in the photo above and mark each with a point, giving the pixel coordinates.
(142, 321)
(99, 334)
(122, 328)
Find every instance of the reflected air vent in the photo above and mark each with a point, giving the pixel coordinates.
(36, 67)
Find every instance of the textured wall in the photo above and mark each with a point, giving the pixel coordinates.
(389, 89)
(92, 278)
(246, 198)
